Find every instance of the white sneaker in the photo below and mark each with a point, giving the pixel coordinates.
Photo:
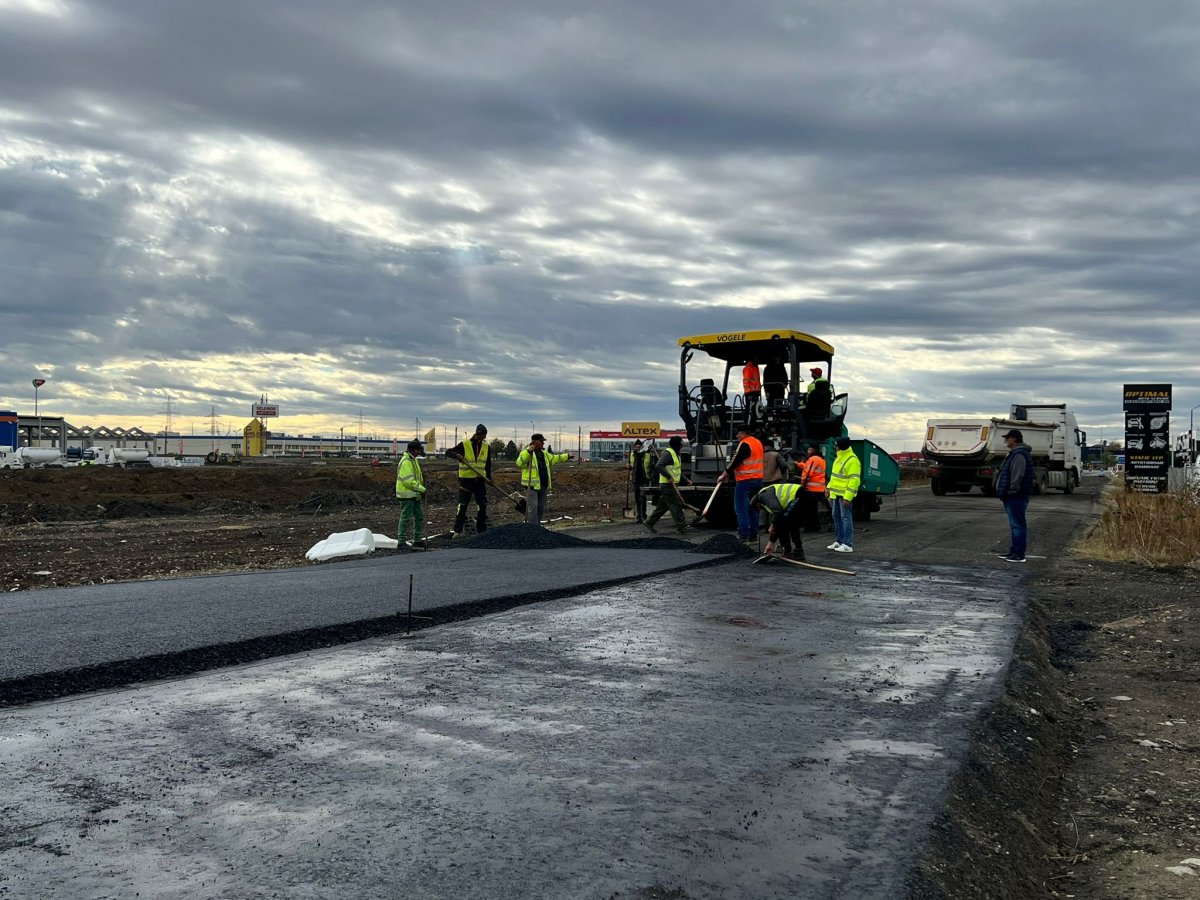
(833, 546)
(844, 548)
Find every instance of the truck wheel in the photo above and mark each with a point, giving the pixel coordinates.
(1069, 487)
(860, 509)
(1039, 484)
(935, 485)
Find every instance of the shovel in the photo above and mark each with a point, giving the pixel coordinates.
(708, 505)
(514, 498)
(628, 511)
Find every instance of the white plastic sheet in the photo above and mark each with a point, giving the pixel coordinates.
(349, 543)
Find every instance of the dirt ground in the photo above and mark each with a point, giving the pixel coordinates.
(1084, 781)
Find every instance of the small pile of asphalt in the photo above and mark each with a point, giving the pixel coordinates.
(728, 545)
(521, 537)
(529, 537)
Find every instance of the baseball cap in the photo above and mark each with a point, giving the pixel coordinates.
(537, 436)
(814, 371)
(1014, 434)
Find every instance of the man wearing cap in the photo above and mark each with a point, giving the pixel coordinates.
(474, 475)
(844, 480)
(640, 468)
(534, 463)
(670, 474)
(1014, 485)
(410, 491)
(817, 378)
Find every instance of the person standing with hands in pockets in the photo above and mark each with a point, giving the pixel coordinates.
(844, 479)
(410, 491)
(1014, 485)
(534, 463)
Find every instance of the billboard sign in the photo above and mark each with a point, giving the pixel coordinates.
(641, 430)
(264, 410)
(1147, 437)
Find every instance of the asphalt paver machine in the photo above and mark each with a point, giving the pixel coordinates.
(713, 406)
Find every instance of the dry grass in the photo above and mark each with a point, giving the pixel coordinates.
(1151, 529)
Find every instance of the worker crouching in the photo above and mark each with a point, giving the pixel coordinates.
(781, 502)
(535, 463)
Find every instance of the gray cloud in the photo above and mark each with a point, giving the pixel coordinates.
(464, 211)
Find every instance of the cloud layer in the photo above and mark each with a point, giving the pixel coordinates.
(468, 212)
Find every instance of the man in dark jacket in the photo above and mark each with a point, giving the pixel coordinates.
(641, 466)
(474, 474)
(1014, 485)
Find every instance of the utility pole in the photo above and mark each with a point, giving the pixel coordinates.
(37, 383)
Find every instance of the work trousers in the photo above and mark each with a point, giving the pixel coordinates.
(743, 493)
(535, 505)
(639, 500)
(469, 488)
(412, 509)
(1016, 507)
(668, 500)
(787, 531)
(810, 510)
(843, 521)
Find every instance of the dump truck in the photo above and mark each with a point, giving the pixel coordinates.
(712, 408)
(966, 453)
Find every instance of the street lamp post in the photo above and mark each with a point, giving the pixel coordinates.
(342, 443)
(37, 383)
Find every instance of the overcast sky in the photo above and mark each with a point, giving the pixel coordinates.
(465, 211)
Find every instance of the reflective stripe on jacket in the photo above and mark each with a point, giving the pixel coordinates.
(846, 476)
(674, 469)
(751, 380)
(410, 483)
(777, 498)
(479, 462)
(812, 473)
(751, 467)
(527, 463)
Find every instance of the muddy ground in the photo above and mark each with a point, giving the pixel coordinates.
(1083, 781)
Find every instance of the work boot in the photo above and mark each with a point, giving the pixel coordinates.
(682, 529)
(650, 526)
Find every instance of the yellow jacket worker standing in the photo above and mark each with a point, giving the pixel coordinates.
(534, 463)
(474, 475)
(410, 491)
(844, 479)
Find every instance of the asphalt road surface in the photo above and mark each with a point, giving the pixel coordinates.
(732, 731)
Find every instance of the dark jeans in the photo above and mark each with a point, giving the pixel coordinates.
(1015, 507)
(743, 493)
(810, 511)
(468, 488)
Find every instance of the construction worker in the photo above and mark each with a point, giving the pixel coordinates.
(746, 467)
(781, 503)
(812, 480)
(817, 378)
(410, 491)
(670, 476)
(844, 480)
(534, 463)
(774, 470)
(775, 381)
(474, 475)
(641, 466)
(751, 390)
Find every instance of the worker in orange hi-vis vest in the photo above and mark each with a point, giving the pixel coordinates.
(812, 480)
(751, 390)
(747, 469)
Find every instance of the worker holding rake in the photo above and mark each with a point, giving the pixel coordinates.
(670, 474)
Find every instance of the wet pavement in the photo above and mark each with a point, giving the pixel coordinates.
(734, 731)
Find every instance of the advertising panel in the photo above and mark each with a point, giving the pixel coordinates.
(1147, 437)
